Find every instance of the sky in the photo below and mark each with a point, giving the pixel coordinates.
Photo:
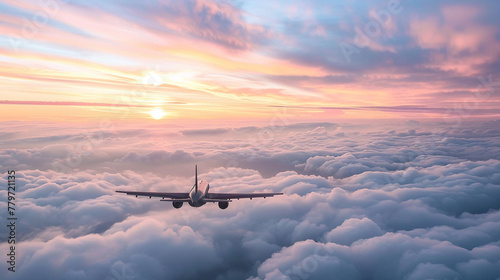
(240, 60)
(377, 120)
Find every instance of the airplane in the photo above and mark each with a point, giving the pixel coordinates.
(199, 195)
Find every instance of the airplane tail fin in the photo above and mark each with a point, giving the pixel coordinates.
(196, 178)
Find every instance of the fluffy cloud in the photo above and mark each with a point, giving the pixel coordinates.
(361, 201)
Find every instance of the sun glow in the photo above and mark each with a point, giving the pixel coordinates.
(157, 113)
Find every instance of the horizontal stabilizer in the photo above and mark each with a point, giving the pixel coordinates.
(216, 200)
(177, 200)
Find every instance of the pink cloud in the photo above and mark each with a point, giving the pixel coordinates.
(467, 42)
(67, 103)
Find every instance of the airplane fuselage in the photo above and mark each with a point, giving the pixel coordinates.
(198, 196)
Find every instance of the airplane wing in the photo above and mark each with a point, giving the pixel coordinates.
(163, 195)
(239, 195)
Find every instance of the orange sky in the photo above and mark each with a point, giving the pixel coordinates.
(213, 60)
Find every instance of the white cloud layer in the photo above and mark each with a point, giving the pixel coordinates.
(360, 202)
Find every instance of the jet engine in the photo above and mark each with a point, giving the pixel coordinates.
(178, 204)
(223, 204)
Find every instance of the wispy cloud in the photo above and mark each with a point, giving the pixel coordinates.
(63, 103)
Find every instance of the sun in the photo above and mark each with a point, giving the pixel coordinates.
(157, 113)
